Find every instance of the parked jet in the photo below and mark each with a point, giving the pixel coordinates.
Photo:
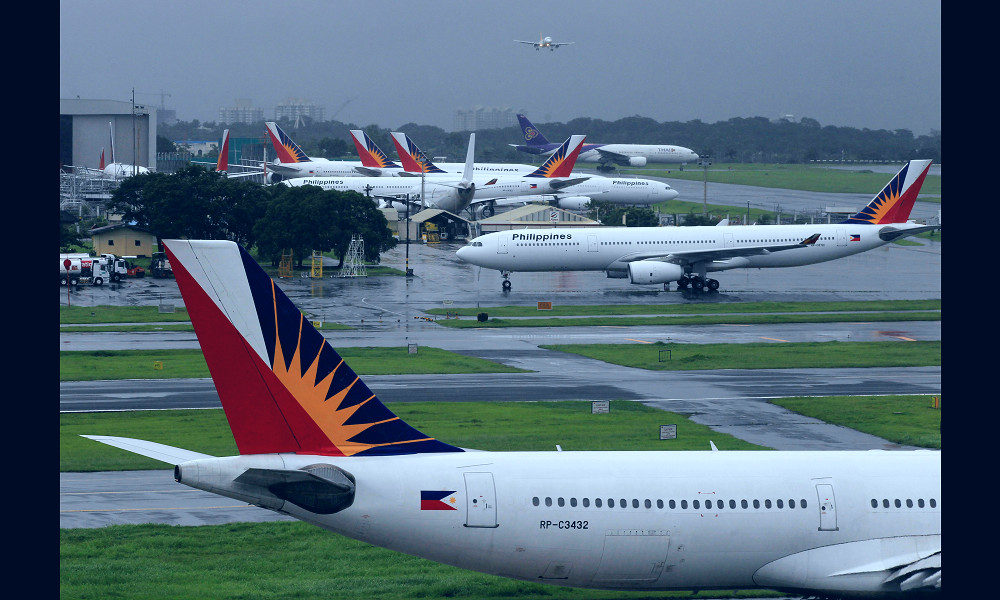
(117, 170)
(414, 161)
(455, 195)
(315, 443)
(292, 162)
(545, 42)
(633, 155)
(660, 255)
(223, 166)
(374, 162)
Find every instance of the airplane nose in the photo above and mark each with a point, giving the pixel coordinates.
(671, 193)
(463, 250)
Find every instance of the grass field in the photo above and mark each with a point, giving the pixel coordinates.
(93, 365)
(906, 420)
(806, 355)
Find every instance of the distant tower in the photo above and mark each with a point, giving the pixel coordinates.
(354, 262)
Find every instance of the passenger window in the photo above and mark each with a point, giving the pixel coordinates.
(791, 504)
(622, 503)
(885, 503)
(674, 504)
(803, 502)
(597, 502)
(933, 503)
(874, 503)
(572, 502)
(909, 503)
(659, 504)
(780, 503)
(684, 503)
(648, 504)
(695, 504)
(743, 503)
(732, 504)
(920, 502)
(534, 501)
(897, 503)
(756, 503)
(561, 502)
(767, 504)
(586, 502)
(548, 501)
(611, 502)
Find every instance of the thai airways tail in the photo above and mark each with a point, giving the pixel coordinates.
(288, 151)
(282, 386)
(223, 163)
(894, 203)
(532, 136)
(562, 161)
(371, 155)
(413, 158)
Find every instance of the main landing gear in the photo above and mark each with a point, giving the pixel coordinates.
(697, 282)
(506, 280)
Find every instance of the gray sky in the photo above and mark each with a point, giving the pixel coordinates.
(845, 63)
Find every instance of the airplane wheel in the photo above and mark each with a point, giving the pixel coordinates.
(697, 283)
(506, 285)
(682, 283)
(713, 284)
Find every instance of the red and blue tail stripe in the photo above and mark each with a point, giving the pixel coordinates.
(894, 203)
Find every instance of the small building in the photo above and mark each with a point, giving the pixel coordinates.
(123, 240)
(535, 216)
(437, 224)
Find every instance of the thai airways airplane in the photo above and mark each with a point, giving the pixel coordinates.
(292, 162)
(660, 255)
(453, 195)
(632, 155)
(633, 192)
(545, 42)
(316, 444)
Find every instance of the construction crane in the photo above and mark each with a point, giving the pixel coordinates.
(163, 97)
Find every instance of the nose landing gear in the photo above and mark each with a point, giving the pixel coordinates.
(506, 280)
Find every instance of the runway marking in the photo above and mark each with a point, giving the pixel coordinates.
(158, 508)
(773, 339)
(640, 341)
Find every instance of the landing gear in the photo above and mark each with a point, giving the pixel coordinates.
(506, 281)
(697, 283)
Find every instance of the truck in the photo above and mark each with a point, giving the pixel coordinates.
(159, 266)
(132, 268)
(83, 269)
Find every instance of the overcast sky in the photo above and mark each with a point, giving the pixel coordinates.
(853, 63)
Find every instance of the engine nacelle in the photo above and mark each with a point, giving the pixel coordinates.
(573, 203)
(647, 272)
(274, 178)
(637, 161)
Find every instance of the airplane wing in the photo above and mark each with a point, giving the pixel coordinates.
(524, 42)
(558, 185)
(696, 256)
(561, 43)
(369, 171)
(613, 157)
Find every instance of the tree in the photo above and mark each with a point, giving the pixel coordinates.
(611, 214)
(307, 218)
(165, 145)
(192, 203)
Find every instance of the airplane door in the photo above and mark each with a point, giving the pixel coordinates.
(502, 248)
(633, 556)
(841, 237)
(827, 507)
(728, 239)
(591, 243)
(480, 500)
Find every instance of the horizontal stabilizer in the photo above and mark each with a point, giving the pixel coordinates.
(890, 233)
(369, 171)
(558, 185)
(161, 452)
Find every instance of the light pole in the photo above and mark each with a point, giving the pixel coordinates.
(704, 163)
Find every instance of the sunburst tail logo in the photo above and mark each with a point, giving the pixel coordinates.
(283, 387)
(894, 203)
(561, 163)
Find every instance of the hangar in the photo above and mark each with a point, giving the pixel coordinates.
(84, 132)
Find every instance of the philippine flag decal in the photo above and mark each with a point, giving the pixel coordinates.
(438, 500)
(855, 237)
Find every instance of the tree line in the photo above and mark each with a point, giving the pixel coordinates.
(740, 139)
(196, 203)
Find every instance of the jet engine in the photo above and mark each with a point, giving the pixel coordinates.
(573, 202)
(274, 178)
(637, 161)
(646, 272)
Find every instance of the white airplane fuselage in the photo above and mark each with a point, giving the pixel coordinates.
(621, 190)
(612, 248)
(634, 520)
(652, 153)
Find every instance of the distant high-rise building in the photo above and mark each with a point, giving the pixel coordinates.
(242, 112)
(294, 108)
(484, 118)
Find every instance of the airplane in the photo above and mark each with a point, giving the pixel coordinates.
(660, 255)
(222, 162)
(315, 443)
(374, 162)
(545, 42)
(292, 162)
(446, 192)
(632, 191)
(632, 155)
(117, 170)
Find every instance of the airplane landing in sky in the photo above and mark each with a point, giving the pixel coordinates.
(315, 443)
(545, 42)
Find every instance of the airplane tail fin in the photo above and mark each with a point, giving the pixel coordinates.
(101, 165)
(282, 386)
(288, 151)
(562, 161)
(413, 158)
(532, 136)
(223, 163)
(371, 155)
(894, 203)
(111, 133)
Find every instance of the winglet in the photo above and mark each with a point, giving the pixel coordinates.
(282, 386)
(288, 151)
(561, 163)
(894, 203)
(413, 158)
(223, 163)
(371, 155)
(809, 241)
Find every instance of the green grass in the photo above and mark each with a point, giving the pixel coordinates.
(693, 320)
(793, 177)
(498, 426)
(907, 420)
(260, 561)
(119, 314)
(774, 355)
(700, 309)
(174, 364)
